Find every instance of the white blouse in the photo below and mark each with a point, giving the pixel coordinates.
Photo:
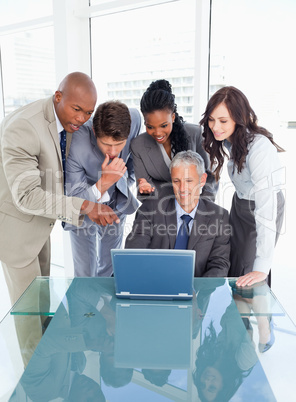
(166, 158)
(261, 178)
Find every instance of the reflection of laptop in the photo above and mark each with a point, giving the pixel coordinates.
(153, 274)
(155, 336)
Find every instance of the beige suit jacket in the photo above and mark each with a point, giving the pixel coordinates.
(31, 183)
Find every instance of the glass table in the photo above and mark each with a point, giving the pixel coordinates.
(72, 339)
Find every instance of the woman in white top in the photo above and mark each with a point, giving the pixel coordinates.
(231, 130)
(166, 135)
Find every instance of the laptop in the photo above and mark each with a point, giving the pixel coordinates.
(153, 336)
(153, 274)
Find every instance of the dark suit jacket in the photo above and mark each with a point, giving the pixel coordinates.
(150, 165)
(155, 227)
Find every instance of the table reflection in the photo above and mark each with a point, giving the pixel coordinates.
(224, 358)
(164, 328)
(99, 348)
(254, 301)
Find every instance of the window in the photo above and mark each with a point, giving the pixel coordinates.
(28, 65)
(16, 11)
(28, 68)
(252, 49)
(164, 48)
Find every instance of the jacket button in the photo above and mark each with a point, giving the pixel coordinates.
(51, 224)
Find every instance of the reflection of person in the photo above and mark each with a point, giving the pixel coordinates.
(29, 328)
(224, 359)
(56, 368)
(112, 376)
(85, 389)
(166, 135)
(100, 168)
(31, 180)
(158, 222)
(255, 170)
(156, 376)
(84, 321)
(98, 331)
(81, 388)
(201, 299)
(255, 300)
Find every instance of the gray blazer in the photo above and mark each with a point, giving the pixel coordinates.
(83, 169)
(150, 165)
(155, 227)
(31, 183)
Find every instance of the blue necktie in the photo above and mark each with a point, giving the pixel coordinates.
(63, 152)
(183, 233)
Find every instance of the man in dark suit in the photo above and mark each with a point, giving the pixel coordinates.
(100, 169)
(184, 220)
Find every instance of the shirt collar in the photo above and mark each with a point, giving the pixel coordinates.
(59, 124)
(227, 144)
(180, 211)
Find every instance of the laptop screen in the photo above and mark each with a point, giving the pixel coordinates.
(159, 274)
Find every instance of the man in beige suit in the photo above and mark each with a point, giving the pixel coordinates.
(31, 180)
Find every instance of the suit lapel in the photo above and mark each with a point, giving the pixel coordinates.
(156, 158)
(200, 224)
(121, 184)
(50, 117)
(52, 126)
(54, 133)
(171, 222)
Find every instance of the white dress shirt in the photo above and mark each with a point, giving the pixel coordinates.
(180, 211)
(261, 178)
(60, 128)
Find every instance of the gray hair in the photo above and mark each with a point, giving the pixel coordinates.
(189, 158)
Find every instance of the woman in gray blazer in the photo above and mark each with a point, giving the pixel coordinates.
(166, 135)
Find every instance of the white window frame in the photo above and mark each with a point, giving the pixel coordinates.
(71, 20)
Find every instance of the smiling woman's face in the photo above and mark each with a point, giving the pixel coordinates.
(221, 123)
(159, 125)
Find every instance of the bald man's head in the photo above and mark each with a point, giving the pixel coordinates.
(75, 100)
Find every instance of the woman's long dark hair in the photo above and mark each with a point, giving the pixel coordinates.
(159, 96)
(223, 358)
(245, 129)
